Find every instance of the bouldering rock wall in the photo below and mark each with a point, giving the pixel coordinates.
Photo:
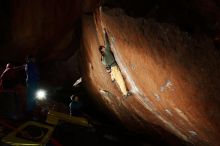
(173, 75)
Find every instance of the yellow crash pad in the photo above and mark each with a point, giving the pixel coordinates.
(30, 133)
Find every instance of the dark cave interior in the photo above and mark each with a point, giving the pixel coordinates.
(64, 35)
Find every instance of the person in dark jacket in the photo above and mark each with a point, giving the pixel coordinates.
(75, 106)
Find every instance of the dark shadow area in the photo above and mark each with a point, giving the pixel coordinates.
(5, 25)
(111, 135)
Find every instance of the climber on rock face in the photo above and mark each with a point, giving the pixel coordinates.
(108, 60)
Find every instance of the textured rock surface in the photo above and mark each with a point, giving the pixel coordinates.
(173, 75)
(170, 59)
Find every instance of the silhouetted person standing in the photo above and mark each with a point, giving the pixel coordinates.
(32, 79)
(75, 106)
